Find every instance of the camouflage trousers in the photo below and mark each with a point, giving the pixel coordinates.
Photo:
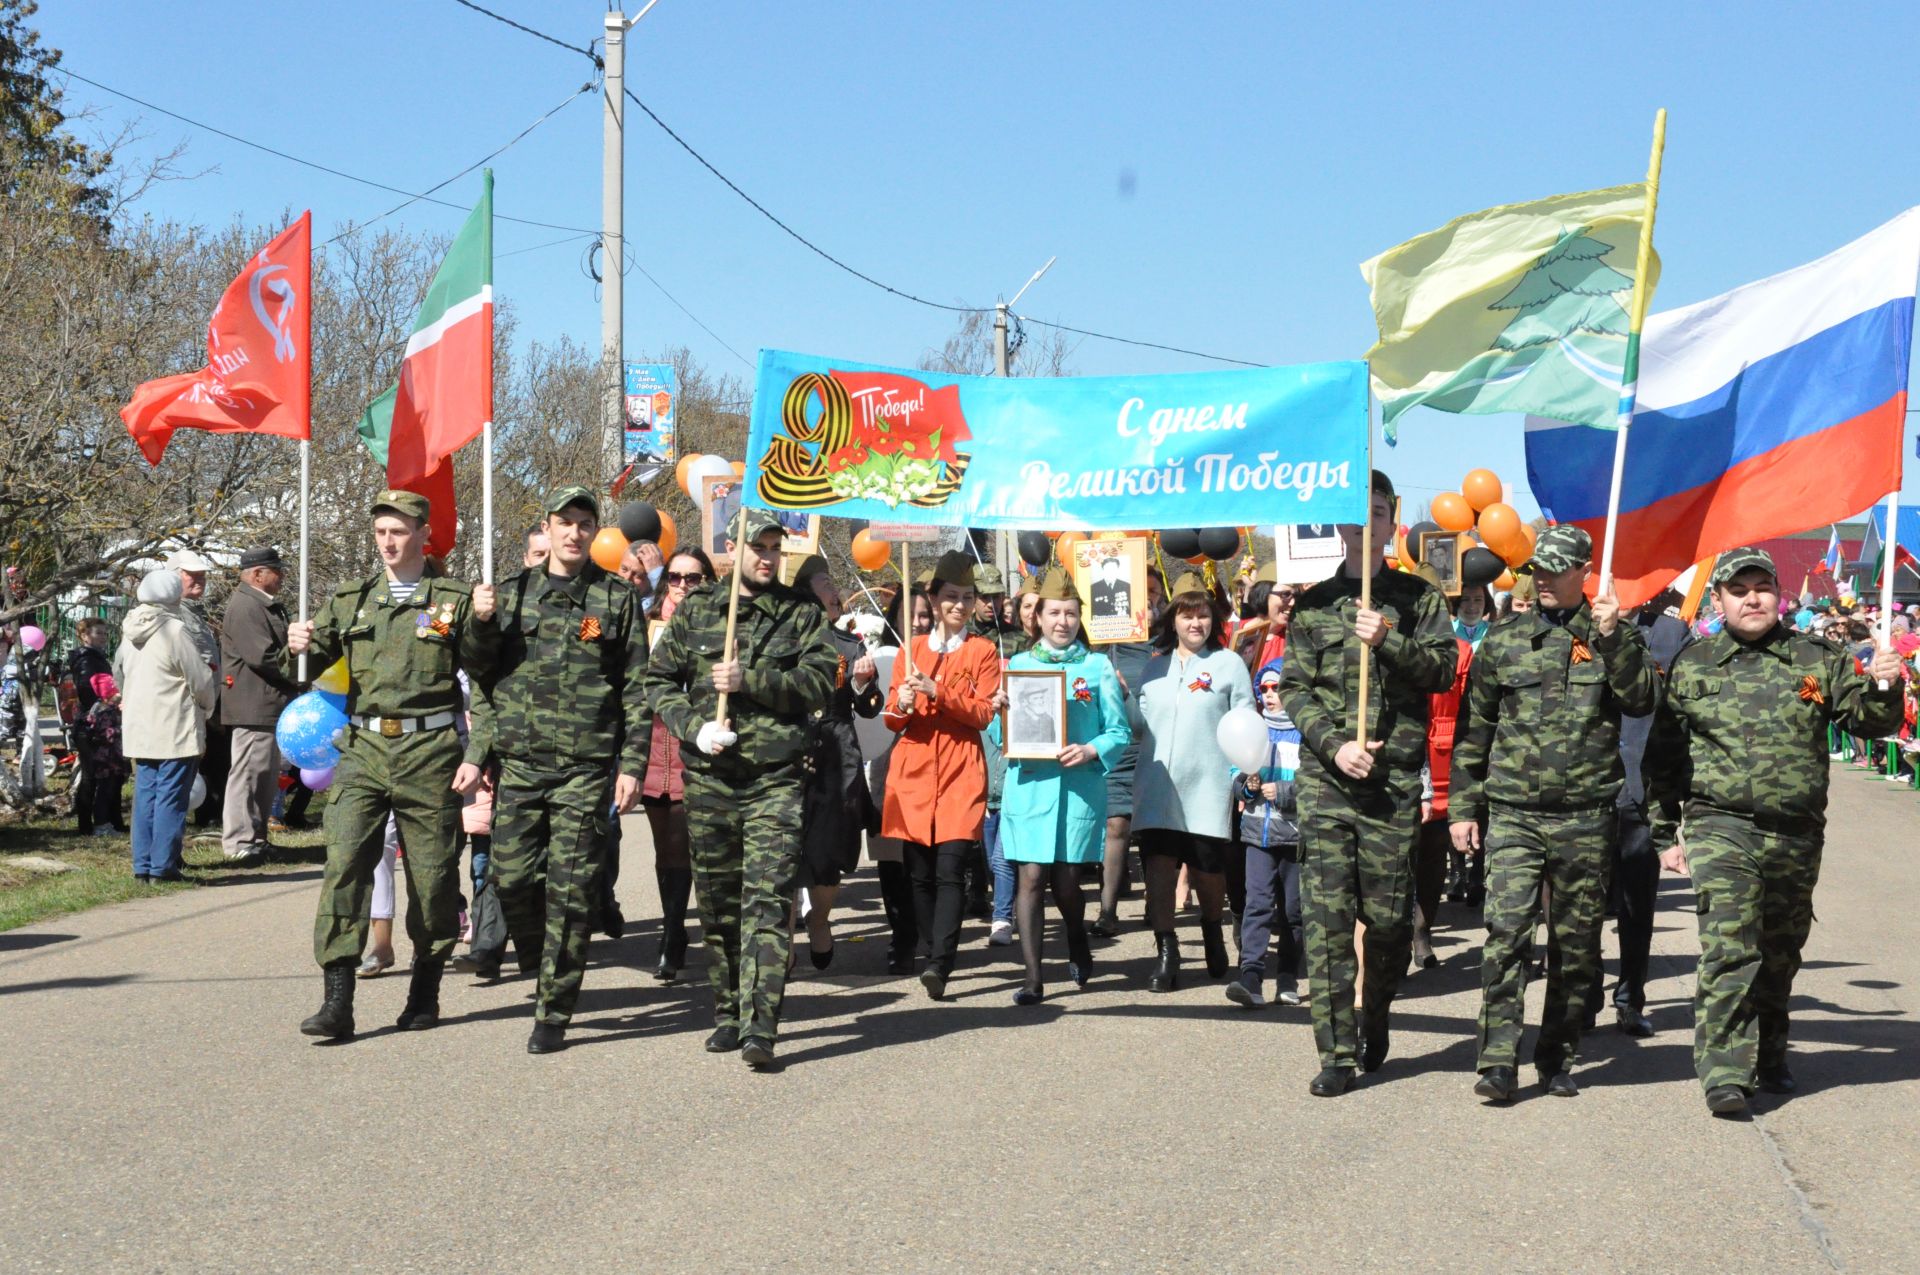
(1568, 852)
(549, 849)
(1755, 898)
(1356, 864)
(744, 837)
(409, 777)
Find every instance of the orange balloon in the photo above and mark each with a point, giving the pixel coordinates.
(1481, 487)
(1500, 529)
(669, 535)
(740, 469)
(1451, 510)
(1522, 546)
(1403, 551)
(608, 547)
(870, 552)
(1064, 547)
(1504, 582)
(680, 471)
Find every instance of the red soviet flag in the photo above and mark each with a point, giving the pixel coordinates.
(258, 378)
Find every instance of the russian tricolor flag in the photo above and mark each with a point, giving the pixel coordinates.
(1762, 412)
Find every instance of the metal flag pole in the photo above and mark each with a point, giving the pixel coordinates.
(486, 502)
(1888, 555)
(1630, 366)
(306, 477)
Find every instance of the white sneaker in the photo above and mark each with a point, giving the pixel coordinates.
(1289, 996)
(1002, 934)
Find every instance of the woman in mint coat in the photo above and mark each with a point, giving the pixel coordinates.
(1053, 813)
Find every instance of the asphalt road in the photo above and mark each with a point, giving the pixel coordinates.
(162, 1113)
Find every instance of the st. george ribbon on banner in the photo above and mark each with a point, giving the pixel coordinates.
(1200, 449)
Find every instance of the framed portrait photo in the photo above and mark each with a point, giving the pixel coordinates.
(654, 629)
(1441, 551)
(1033, 726)
(801, 532)
(719, 511)
(1314, 542)
(1111, 576)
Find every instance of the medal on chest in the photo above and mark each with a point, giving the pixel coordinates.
(1081, 691)
(1203, 683)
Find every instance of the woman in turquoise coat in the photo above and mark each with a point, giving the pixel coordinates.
(1053, 812)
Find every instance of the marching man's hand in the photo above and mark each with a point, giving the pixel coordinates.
(466, 779)
(1465, 835)
(1606, 613)
(299, 637)
(1674, 859)
(715, 737)
(728, 677)
(483, 600)
(1354, 761)
(626, 793)
(1371, 627)
(1886, 665)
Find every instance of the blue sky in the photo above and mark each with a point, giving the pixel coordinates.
(1208, 175)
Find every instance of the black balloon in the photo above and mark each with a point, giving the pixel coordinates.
(1035, 549)
(639, 521)
(1180, 543)
(1480, 566)
(1219, 543)
(1417, 530)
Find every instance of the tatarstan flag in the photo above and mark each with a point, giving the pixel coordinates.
(444, 396)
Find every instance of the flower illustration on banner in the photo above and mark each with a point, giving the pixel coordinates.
(876, 436)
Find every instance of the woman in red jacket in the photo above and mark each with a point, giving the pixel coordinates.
(1430, 869)
(662, 794)
(936, 799)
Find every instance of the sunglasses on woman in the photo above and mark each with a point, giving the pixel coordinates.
(685, 577)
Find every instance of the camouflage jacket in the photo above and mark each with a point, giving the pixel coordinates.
(565, 681)
(1539, 726)
(1010, 639)
(401, 656)
(1744, 728)
(789, 663)
(1320, 685)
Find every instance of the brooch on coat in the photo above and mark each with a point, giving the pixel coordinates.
(1810, 690)
(1581, 653)
(590, 629)
(1081, 691)
(1202, 683)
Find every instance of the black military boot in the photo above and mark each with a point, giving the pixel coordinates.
(1373, 1051)
(1777, 1078)
(1215, 947)
(1166, 966)
(335, 1017)
(422, 1009)
(1331, 1082)
(1497, 1084)
(547, 1038)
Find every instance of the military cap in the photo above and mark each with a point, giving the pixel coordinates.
(955, 567)
(1562, 547)
(1190, 583)
(923, 579)
(1269, 574)
(1427, 573)
(1522, 586)
(408, 504)
(262, 556)
(986, 579)
(1734, 561)
(574, 495)
(1056, 587)
(813, 565)
(760, 522)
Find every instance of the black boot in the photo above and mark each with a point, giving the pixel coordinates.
(896, 897)
(335, 1017)
(422, 1009)
(1166, 965)
(1216, 949)
(676, 887)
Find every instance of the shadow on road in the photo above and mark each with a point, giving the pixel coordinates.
(66, 984)
(19, 942)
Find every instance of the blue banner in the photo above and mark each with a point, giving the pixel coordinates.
(1099, 453)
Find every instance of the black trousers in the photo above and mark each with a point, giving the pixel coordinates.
(1636, 888)
(937, 874)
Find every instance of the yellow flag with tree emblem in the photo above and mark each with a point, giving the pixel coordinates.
(1521, 308)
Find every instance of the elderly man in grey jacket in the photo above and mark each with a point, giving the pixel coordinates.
(253, 690)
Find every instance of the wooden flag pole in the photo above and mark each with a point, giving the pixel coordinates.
(1630, 367)
(1367, 566)
(727, 651)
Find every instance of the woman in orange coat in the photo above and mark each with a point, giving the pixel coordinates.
(936, 800)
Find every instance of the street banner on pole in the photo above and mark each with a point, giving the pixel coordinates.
(1199, 449)
(652, 397)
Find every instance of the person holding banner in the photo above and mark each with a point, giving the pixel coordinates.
(1360, 797)
(1738, 770)
(1182, 801)
(942, 697)
(1054, 811)
(763, 650)
(405, 632)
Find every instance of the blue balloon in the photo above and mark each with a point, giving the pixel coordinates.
(1803, 618)
(306, 730)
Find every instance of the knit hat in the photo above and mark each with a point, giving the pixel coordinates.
(161, 587)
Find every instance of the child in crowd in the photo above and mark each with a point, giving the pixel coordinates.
(1270, 831)
(97, 737)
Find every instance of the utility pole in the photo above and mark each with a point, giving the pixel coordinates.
(613, 244)
(1007, 555)
(1000, 339)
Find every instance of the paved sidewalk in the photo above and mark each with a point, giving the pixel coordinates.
(162, 1113)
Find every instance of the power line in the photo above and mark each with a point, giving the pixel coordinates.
(631, 262)
(308, 163)
(1151, 345)
(589, 54)
(553, 243)
(799, 238)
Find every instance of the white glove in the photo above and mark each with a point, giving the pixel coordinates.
(714, 737)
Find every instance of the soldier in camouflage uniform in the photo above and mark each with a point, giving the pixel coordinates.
(1360, 803)
(744, 774)
(561, 703)
(404, 632)
(1739, 752)
(992, 591)
(1536, 760)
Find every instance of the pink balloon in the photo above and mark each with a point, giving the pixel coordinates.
(32, 636)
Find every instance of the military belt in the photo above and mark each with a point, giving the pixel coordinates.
(394, 727)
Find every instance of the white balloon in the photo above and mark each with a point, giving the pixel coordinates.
(198, 795)
(871, 731)
(703, 468)
(1242, 736)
